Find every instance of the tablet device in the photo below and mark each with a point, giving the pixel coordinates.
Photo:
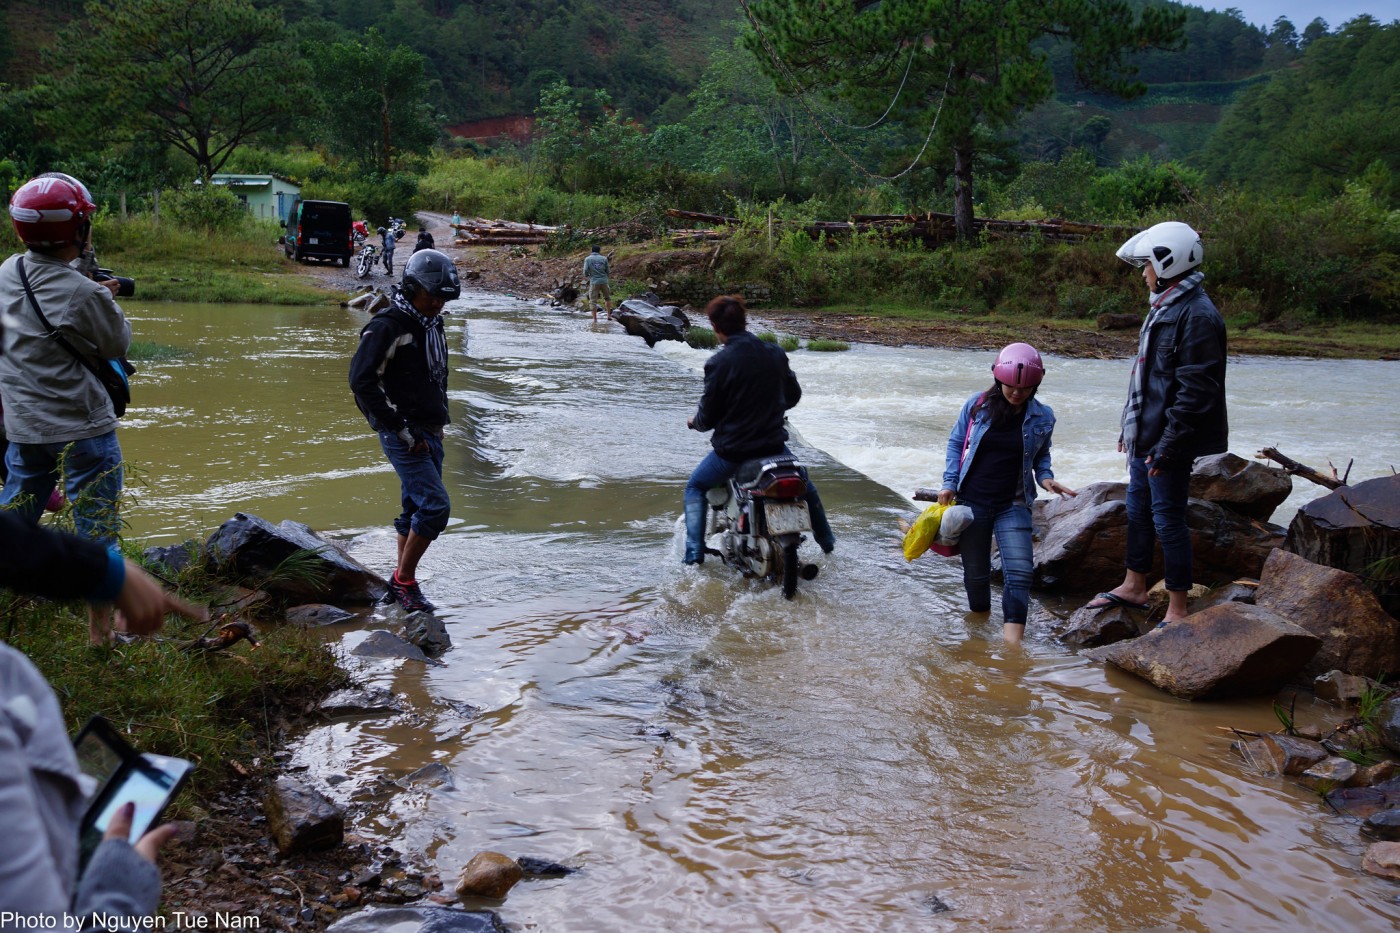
(118, 774)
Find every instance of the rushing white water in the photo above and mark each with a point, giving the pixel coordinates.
(711, 756)
(887, 412)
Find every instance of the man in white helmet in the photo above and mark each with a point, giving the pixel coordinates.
(1175, 411)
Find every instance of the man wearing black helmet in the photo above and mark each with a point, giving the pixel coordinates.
(399, 377)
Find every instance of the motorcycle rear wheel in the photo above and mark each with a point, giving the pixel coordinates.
(791, 567)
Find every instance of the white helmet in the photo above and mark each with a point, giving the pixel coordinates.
(1173, 248)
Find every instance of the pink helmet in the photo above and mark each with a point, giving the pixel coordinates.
(1019, 366)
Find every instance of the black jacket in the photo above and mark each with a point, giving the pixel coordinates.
(1183, 407)
(424, 241)
(44, 562)
(390, 378)
(748, 387)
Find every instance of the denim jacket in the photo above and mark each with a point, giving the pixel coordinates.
(1039, 424)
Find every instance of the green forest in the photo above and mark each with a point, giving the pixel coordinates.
(1277, 143)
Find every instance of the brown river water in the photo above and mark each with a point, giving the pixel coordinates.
(712, 757)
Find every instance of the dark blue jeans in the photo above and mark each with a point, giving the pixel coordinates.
(715, 471)
(1157, 512)
(1011, 523)
(92, 480)
(426, 505)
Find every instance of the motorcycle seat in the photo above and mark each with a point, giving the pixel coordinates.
(751, 471)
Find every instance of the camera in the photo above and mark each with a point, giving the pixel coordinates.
(125, 287)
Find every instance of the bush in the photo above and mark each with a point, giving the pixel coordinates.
(377, 197)
(701, 338)
(206, 208)
(827, 346)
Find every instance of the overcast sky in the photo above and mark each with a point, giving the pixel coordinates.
(1301, 12)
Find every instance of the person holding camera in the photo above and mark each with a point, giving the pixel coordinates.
(57, 411)
(399, 377)
(41, 797)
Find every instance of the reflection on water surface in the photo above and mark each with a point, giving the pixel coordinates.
(712, 756)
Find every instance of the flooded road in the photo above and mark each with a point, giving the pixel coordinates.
(712, 756)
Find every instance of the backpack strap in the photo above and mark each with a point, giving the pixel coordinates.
(51, 332)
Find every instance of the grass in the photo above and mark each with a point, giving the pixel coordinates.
(701, 338)
(170, 263)
(209, 708)
(827, 346)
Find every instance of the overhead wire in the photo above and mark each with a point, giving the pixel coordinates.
(802, 98)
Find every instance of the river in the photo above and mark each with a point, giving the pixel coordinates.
(711, 756)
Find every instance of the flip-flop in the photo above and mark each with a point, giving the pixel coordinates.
(1113, 599)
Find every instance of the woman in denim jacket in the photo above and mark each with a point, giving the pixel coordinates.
(998, 452)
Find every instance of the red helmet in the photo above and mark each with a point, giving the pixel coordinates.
(1019, 365)
(51, 210)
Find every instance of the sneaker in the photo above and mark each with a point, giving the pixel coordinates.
(408, 595)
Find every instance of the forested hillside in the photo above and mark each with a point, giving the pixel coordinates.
(1092, 110)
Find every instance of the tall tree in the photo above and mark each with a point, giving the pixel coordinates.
(963, 63)
(373, 100)
(204, 76)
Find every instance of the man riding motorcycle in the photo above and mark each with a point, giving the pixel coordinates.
(748, 387)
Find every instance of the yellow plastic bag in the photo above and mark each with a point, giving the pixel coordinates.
(923, 531)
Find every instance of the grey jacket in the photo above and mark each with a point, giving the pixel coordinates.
(51, 398)
(41, 804)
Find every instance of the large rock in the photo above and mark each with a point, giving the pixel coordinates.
(1358, 636)
(1228, 650)
(644, 319)
(1092, 628)
(1244, 486)
(1362, 802)
(1353, 529)
(1082, 540)
(1387, 723)
(301, 817)
(250, 547)
(489, 874)
(382, 643)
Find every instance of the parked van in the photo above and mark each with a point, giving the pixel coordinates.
(318, 230)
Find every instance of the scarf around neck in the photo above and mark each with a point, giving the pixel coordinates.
(1158, 305)
(434, 337)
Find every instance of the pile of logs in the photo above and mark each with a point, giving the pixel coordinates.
(479, 232)
(931, 228)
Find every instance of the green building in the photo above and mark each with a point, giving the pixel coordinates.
(267, 197)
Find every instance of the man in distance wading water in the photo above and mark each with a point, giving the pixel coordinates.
(399, 377)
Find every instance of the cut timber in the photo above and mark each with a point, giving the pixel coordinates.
(1299, 469)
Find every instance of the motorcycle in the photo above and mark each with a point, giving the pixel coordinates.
(398, 227)
(364, 262)
(757, 521)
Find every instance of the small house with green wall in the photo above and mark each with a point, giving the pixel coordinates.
(267, 197)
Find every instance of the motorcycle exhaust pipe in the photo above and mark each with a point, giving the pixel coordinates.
(810, 571)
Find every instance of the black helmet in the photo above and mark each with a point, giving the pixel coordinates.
(381, 231)
(432, 273)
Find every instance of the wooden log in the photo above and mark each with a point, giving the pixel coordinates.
(697, 217)
(1299, 469)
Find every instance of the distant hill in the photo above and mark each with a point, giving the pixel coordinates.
(489, 59)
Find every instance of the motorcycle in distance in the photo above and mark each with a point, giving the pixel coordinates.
(398, 226)
(758, 519)
(365, 260)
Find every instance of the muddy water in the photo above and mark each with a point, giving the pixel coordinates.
(712, 757)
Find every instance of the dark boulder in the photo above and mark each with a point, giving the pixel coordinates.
(1092, 628)
(428, 632)
(382, 643)
(314, 615)
(1356, 528)
(1244, 486)
(643, 319)
(1082, 540)
(1362, 802)
(172, 559)
(250, 548)
(1229, 650)
(302, 818)
(1358, 636)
